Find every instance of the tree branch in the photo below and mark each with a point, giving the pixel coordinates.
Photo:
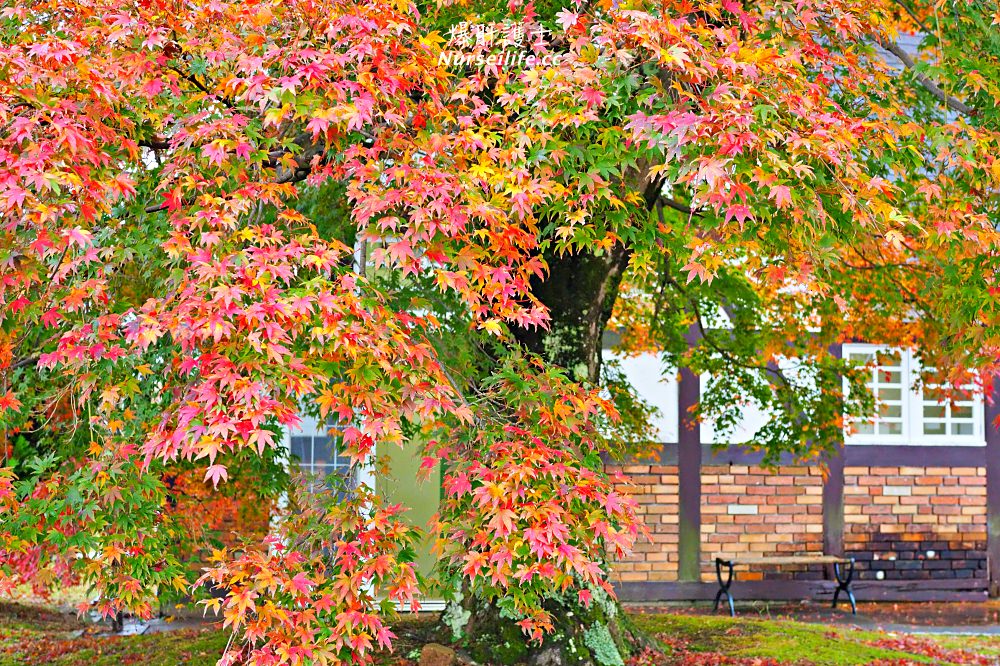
(951, 102)
(678, 206)
(29, 360)
(294, 174)
(154, 144)
(913, 15)
(193, 80)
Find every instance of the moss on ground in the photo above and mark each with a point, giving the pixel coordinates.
(187, 648)
(176, 648)
(785, 641)
(37, 637)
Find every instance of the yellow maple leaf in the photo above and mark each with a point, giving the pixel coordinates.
(492, 326)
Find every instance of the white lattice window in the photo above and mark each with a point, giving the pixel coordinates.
(945, 418)
(906, 412)
(888, 382)
(315, 448)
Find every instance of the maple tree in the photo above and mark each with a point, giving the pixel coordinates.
(218, 216)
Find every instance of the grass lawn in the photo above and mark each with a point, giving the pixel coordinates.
(35, 636)
(749, 641)
(29, 635)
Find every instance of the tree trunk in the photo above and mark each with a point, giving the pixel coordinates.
(600, 635)
(580, 292)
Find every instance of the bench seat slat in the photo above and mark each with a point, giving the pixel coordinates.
(789, 559)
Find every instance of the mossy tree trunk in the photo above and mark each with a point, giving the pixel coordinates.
(598, 635)
(580, 292)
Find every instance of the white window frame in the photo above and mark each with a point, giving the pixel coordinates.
(906, 398)
(912, 399)
(312, 428)
(976, 438)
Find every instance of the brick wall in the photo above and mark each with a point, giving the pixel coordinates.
(916, 522)
(748, 510)
(909, 523)
(655, 488)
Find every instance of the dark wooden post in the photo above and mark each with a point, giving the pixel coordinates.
(833, 494)
(689, 476)
(833, 504)
(992, 412)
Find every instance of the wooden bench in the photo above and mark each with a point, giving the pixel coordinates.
(843, 580)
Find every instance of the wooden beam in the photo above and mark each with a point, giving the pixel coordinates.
(905, 455)
(797, 590)
(689, 475)
(992, 462)
(833, 495)
(859, 455)
(833, 504)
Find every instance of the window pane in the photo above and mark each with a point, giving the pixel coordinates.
(320, 460)
(890, 394)
(931, 401)
(934, 411)
(934, 429)
(889, 358)
(961, 412)
(893, 377)
(300, 448)
(963, 429)
(326, 450)
(890, 428)
(864, 428)
(890, 411)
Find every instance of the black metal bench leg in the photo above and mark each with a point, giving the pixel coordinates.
(844, 585)
(724, 585)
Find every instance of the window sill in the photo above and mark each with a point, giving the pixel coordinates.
(954, 441)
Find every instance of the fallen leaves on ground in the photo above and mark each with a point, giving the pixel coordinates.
(927, 648)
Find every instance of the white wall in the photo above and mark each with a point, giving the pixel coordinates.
(753, 419)
(657, 385)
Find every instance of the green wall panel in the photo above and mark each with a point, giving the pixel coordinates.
(419, 496)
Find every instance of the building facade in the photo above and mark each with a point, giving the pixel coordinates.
(909, 495)
(912, 495)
